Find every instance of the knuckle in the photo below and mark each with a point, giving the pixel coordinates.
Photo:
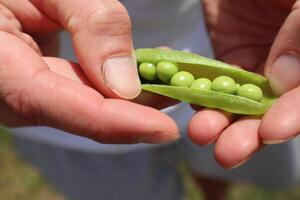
(296, 6)
(9, 15)
(6, 25)
(6, 12)
(20, 103)
(19, 93)
(8, 22)
(109, 19)
(17, 24)
(28, 39)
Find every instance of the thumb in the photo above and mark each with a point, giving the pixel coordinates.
(101, 34)
(283, 63)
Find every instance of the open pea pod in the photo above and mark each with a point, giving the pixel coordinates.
(201, 67)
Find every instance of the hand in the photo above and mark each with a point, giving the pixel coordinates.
(262, 38)
(35, 90)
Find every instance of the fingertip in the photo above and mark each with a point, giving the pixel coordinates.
(283, 74)
(127, 121)
(238, 143)
(159, 137)
(281, 122)
(104, 50)
(206, 125)
(121, 76)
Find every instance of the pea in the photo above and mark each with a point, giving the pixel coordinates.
(147, 71)
(224, 84)
(250, 91)
(183, 79)
(165, 70)
(221, 96)
(201, 84)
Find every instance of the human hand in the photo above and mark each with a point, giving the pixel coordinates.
(35, 90)
(262, 37)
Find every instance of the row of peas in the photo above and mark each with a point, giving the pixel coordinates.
(168, 73)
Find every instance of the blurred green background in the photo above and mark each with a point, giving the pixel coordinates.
(20, 181)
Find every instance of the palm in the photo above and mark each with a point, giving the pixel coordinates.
(242, 32)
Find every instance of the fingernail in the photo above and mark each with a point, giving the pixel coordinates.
(284, 74)
(277, 141)
(211, 141)
(121, 76)
(158, 138)
(240, 163)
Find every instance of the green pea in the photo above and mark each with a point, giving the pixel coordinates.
(165, 70)
(201, 84)
(183, 79)
(250, 91)
(200, 66)
(224, 84)
(147, 71)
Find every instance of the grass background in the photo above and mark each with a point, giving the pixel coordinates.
(20, 181)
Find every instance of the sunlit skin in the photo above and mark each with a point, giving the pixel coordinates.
(252, 34)
(36, 90)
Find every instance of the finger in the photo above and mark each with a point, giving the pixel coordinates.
(281, 122)
(68, 70)
(74, 72)
(7, 24)
(283, 63)
(83, 111)
(43, 97)
(101, 34)
(206, 125)
(29, 40)
(238, 143)
(10, 16)
(32, 19)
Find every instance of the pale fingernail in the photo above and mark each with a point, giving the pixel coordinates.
(284, 74)
(240, 163)
(213, 140)
(158, 137)
(277, 141)
(122, 77)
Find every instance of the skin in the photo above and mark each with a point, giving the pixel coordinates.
(253, 40)
(39, 90)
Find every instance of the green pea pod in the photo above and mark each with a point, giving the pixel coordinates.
(204, 67)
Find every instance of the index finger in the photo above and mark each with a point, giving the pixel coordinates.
(101, 35)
